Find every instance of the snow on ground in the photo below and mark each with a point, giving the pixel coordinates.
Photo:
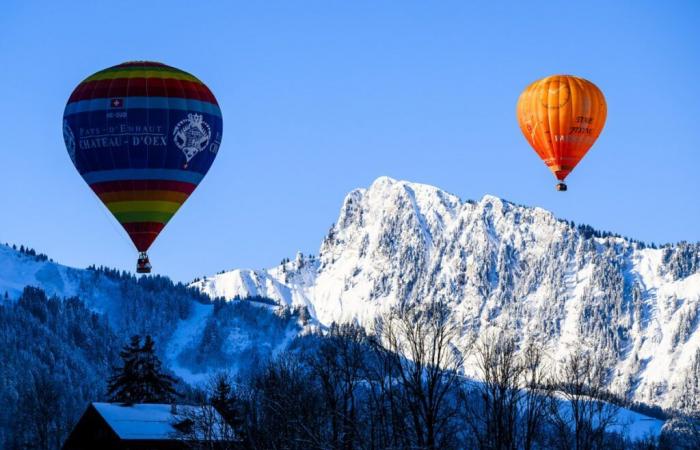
(18, 270)
(633, 425)
(183, 337)
(637, 426)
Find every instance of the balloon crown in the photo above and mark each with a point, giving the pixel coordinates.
(195, 119)
(142, 61)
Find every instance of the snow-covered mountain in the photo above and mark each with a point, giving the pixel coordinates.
(501, 265)
(195, 336)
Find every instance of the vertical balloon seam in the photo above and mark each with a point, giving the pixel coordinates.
(577, 92)
(548, 137)
(536, 110)
(578, 89)
(561, 82)
(590, 101)
(562, 164)
(92, 94)
(528, 117)
(545, 129)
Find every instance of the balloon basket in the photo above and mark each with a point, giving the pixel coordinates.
(561, 187)
(143, 265)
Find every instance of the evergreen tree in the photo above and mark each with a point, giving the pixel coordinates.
(141, 379)
(124, 384)
(224, 400)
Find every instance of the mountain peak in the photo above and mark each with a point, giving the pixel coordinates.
(425, 196)
(505, 267)
(383, 182)
(494, 200)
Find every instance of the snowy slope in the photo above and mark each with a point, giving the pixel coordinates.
(500, 265)
(185, 336)
(196, 339)
(18, 270)
(636, 426)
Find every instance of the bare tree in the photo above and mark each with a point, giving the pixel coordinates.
(582, 413)
(506, 408)
(420, 347)
(535, 397)
(492, 402)
(202, 427)
(386, 409)
(284, 407)
(339, 365)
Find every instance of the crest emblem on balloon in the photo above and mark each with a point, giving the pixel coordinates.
(192, 135)
(69, 140)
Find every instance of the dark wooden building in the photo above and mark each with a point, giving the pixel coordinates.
(114, 426)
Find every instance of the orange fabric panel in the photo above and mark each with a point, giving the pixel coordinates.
(561, 117)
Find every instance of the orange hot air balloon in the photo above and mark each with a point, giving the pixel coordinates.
(561, 117)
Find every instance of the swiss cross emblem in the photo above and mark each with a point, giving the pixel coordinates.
(117, 102)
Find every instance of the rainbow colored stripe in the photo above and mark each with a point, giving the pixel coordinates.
(129, 130)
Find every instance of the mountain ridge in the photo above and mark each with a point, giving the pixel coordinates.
(504, 266)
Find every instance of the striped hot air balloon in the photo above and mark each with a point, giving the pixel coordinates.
(142, 135)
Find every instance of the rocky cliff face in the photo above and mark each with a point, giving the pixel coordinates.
(500, 265)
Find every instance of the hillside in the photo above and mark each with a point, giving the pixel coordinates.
(61, 330)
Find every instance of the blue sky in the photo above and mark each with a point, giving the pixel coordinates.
(322, 97)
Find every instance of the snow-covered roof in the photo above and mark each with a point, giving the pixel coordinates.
(146, 421)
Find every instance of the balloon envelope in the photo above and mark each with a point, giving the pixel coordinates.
(142, 135)
(561, 117)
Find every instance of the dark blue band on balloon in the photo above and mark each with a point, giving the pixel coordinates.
(103, 104)
(143, 174)
(133, 138)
